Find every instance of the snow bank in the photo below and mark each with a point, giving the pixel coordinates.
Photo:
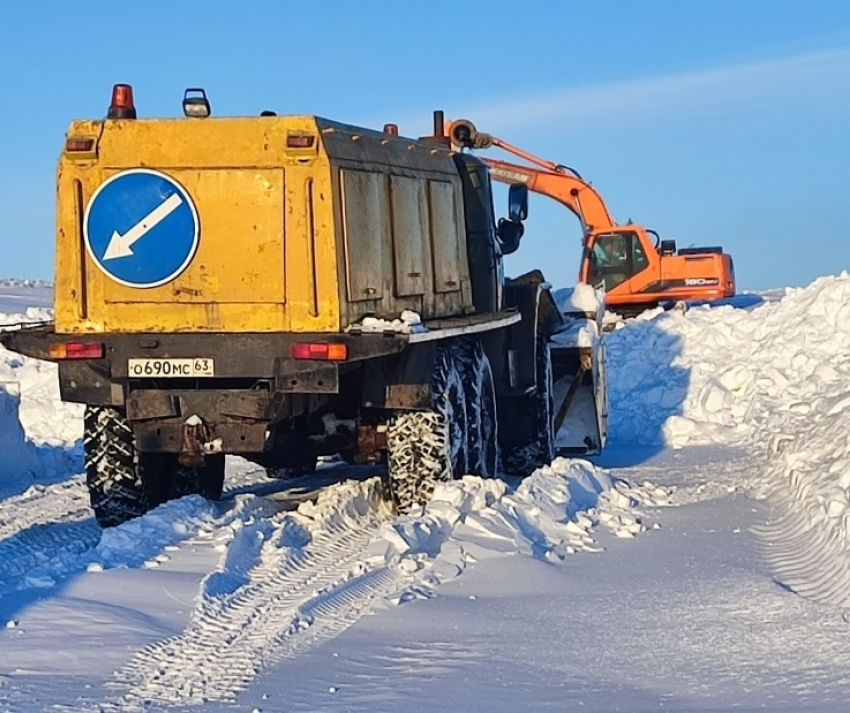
(17, 454)
(807, 536)
(725, 375)
(805, 417)
(40, 436)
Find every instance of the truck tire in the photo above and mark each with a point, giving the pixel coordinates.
(124, 484)
(524, 459)
(115, 483)
(428, 447)
(483, 444)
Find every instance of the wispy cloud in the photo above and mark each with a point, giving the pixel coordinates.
(811, 81)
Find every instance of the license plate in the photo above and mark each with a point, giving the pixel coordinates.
(172, 368)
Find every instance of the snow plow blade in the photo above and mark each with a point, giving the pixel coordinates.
(580, 404)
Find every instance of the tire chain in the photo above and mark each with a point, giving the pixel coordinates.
(115, 486)
(428, 447)
(482, 419)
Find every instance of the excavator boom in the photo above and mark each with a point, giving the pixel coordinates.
(548, 178)
(577, 195)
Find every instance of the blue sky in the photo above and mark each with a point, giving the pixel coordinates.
(721, 122)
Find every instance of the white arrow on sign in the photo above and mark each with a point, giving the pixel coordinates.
(122, 245)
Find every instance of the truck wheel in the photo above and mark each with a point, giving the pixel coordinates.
(116, 488)
(427, 447)
(526, 458)
(483, 446)
(207, 481)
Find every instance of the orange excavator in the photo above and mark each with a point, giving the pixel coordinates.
(632, 264)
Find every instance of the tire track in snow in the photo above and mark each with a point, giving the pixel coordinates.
(63, 501)
(49, 532)
(286, 582)
(804, 553)
(44, 525)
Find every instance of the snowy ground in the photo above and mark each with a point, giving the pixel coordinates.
(700, 564)
(17, 296)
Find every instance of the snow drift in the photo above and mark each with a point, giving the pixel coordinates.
(729, 375)
(341, 555)
(40, 436)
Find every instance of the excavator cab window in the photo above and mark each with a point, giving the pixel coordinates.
(611, 251)
(639, 258)
(614, 258)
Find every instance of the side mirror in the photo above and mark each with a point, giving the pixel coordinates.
(509, 233)
(668, 247)
(518, 202)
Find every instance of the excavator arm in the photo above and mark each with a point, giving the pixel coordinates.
(545, 177)
(577, 195)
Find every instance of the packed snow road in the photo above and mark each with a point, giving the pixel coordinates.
(730, 460)
(283, 576)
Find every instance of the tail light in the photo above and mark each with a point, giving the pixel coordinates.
(77, 350)
(74, 144)
(329, 351)
(300, 141)
(81, 148)
(122, 106)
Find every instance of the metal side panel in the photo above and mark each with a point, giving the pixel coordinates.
(446, 236)
(363, 231)
(239, 256)
(410, 234)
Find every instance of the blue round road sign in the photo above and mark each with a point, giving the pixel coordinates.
(141, 228)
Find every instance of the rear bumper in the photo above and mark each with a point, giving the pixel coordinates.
(237, 354)
(255, 381)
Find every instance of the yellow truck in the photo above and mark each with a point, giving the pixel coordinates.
(287, 287)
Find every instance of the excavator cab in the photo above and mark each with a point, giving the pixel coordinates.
(613, 257)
